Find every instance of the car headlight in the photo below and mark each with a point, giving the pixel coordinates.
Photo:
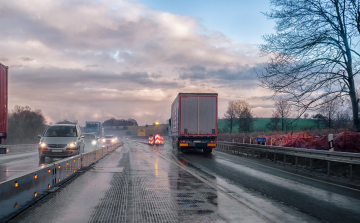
(93, 142)
(42, 145)
(72, 145)
(113, 140)
(103, 140)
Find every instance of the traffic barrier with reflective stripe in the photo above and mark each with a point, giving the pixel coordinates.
(157, 139)
(18, 193)
(151, 139)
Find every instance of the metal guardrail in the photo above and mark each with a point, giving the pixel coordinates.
(256, 150)
(19, 192)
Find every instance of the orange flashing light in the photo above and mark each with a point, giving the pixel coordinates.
(211, 144)
(49, 171)
(49, 185)
(16, 184)
(35, 194)
(35, 176)
(184, 144)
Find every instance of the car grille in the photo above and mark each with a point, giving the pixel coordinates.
(57, 145)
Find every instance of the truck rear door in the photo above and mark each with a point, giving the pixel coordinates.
(198, 114)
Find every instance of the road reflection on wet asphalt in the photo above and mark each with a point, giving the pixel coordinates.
(142, 183)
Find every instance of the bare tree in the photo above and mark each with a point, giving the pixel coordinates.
(342, 119)
(312, 54)
(283, 111)
(354, 11)
(231, 115)
(274, 122)
(306, 115)
(329, 109)
(245, 116)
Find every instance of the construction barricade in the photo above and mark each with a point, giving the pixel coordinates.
(151, 140)
(343, 142)
(157, 139)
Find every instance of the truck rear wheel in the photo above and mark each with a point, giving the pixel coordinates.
(207, 150)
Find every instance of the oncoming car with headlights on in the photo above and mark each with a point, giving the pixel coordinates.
(60, 141)
(91, 142)
(108, 140)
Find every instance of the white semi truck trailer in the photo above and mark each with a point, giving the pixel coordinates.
(194, 121)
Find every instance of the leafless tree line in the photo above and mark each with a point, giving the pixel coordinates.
(335, 114)
(240, 113)
(24, 124)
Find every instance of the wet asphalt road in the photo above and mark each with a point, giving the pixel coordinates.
(141, 183)
(20, 162)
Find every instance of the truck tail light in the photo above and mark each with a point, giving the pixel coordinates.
(212, 141)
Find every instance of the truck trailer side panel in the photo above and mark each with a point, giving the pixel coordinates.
(175, 107)
(3, 100)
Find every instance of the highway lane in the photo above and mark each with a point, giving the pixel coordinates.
(326, 200)
(142, 183)
(22, 161)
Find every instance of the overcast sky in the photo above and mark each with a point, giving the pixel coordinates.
(97, 59)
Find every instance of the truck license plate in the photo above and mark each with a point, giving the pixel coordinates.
(197, 141)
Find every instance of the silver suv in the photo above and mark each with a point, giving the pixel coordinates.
(61, 140)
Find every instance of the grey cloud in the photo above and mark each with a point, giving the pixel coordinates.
(65, 78)
(201, 72)
(26, 59)
(156, 76)
(241, 76)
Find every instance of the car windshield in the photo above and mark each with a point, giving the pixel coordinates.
(108, 136)
(60, 131)
(89, 136)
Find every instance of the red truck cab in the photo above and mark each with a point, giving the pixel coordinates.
(3, 101)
